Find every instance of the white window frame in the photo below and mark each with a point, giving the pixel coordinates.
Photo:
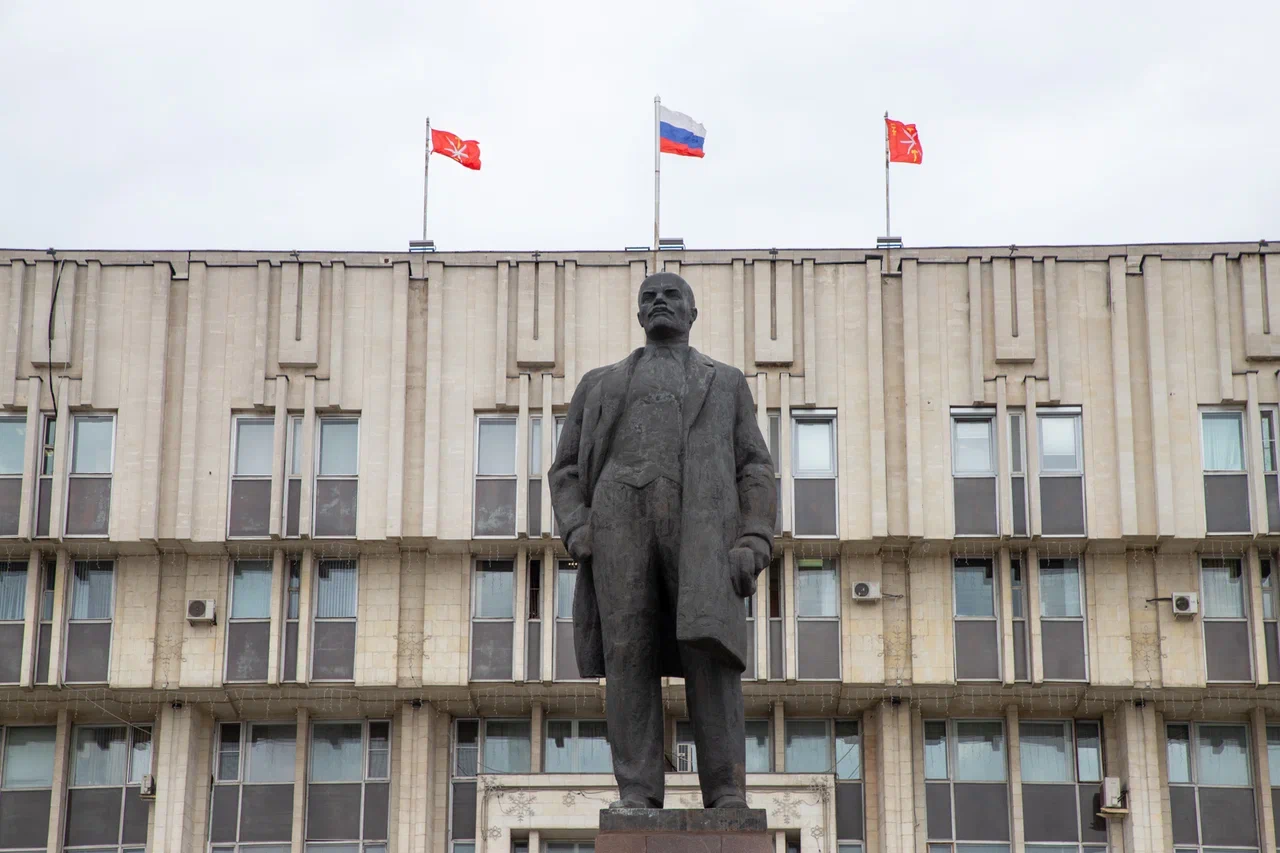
(22, 619)
(294, 443)
(69, 619)
(1017, 460)
(1019, 595)
(951, 780)
(242, 776)
(72, 475)
(47, 453)
(974, 415)
(832, 564)
(131, 729)
(364, 780)
(1082, 619)
(994, 618)
(233, 476)
(562, 563)
(231, 600)
(289, 563)
(1246, 619)
(476, 476)
(1193, 766)
(1270, 446)
(799, 416)
(48, 572)
(4, 743)
(315, 609)
(1241, 421)
(22, 419)
(574, 739)
(473, 619)
(1063, 412)
(316, 477)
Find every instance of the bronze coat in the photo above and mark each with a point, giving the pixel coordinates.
(728, 499)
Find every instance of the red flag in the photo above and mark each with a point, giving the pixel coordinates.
(465, 151)
(904, 142)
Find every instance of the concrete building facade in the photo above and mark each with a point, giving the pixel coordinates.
(280, 571)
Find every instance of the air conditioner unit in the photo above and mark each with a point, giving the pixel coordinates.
(200, 611)
(684, 758)
(148, 789)
(1186, 604)
(1112, 798)
(866, 591)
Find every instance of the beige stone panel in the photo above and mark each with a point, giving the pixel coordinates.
(261, 313)
(501, 323)
(299, 324)
(1137, 765)
(487, 356)
(895, 421)
(774, 306)
(1067, 277)
(1015, 328)
(182, 736)
(170, 621)
(973, 292)
(446, 620)
(133, 635)
(384, 333)
(58, 351)
(1144, 631)
(953, 284)
(1122, 397)
(536, 317)
(1107, 608)
(192, 379)
(913, 398)
(876, 449)
(1102, 512)
(713, 292)
(1181, 326)
(1016, 819)
(1159, 392)
(31, 457)
(12, 298)
(1181, 644)
(932, 641)
(378, 620)
(1258, 520)
(636, 272)
(415, 414)
(606, 315)
(935, 412)
(810, 312)
(862, 624)
(432, 410)
(61, 756)
(395, 406)
(457, 413)
(359, 322)
(1260, 296)
(1145, 431)
(411, 601)
(1052, 307)
(212, 427)
(845, 388)
(303, 736)
(203, 645)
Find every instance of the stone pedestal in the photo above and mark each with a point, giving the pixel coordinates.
(683, 831)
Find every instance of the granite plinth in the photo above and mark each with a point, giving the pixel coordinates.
(683, 831)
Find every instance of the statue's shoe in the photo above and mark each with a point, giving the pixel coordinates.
(730, 801)
(633, 803)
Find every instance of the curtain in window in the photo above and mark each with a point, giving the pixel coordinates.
(758, 751)
(271, 753)
(979, 752)
(337, 594)
(567, 583)
(935, 750)
(506, 747)
(1223, 589)
(13, 591)
(1178, 753)
(140, 758)
(494, 591)
(1273, 754)
(1059, 588)
(558, 754)
(1089, 752)
(1046, 756)
(251, 596)
(254, 446)
(13, 433)
(593, 748)
(806, 747)
(99, 755)
(1222, 756)
(817, 592)
(975, 591)
(848, 750)
(379, 750)
(1223, 443)
(28, 756)
(339, 448)
(336, 752)
(91, 590)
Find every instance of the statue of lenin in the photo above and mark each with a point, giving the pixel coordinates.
(664, 491)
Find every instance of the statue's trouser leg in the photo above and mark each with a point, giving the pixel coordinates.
(714, 694)
(627, 582)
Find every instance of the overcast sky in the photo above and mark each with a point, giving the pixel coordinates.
(299, 125)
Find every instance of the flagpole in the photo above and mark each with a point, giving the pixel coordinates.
(657, 175)
(887, 230)
(426, 167)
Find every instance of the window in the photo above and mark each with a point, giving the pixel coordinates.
(577, 746)
(1226, 478)
(535, 470)
(492, 620)
(349, 788)
(1269, 468)
(814, 465)
(1211, 799)
(1062, 624)
(333, 636)
(818, 619)
(1273, 765)
(1021, 651)
(749, 604)
(505, 747)
(1061, 770)
(966, 787)
(13, 453)
(973, 472)
(463, 770)
(533, 630)
(495, 483)
(977, 634)
(293, 483)
(26, 782)
(337, 477)
(1018, 471)
(13, 609)
(89, 482)
(249, 508)
(44, 639)
(1227, 643)
(759, 747)
(1061, 473)
(104, 806)
(44, 482)
(1269, 617)
(776, 649)
(88, 646)
(292, 605)
(775, 442)
(253, 783)
(249, 622)
(831, 746)
(566, 660)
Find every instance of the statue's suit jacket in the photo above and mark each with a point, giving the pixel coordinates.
(728, 499)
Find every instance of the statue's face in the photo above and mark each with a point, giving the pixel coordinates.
(666, 307)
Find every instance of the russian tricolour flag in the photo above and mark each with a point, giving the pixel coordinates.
(680, 134)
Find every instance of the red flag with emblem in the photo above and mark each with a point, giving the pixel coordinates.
(904, 142)
(465, 151)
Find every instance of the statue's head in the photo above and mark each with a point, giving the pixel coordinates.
(666, 309)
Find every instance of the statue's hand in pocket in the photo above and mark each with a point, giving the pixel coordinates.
(742, 569)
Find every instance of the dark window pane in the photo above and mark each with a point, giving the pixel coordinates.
(44, 498)
(750, 671)
(11, 651)
(290, 672)
(1063, 650)
(463, 821)
(1269, 629)
(1226, 503)
(333, 812)
(776, 671)
(88, 506)
(24, 819)
(247, 650)
(42, 654)
(533, 652)
(1182, 811)
(267, 814)
(293, 507)
(88, 651)
(491, 650)
(1049, 812)
(566, 658)
(226, 805)
(535, 508)
(818, 649)
(93, 816)
(937, 797)
(849, 811)
(815, 507)
(1226, 646)
(10, 501)
(982, 812)
(975, 502)
(250, 507)
(495, 509)
(335, 651)
(136, 813)
(1273, 503)
(977, 652)
(1062, 506)
(1228, 818)
(336, 507)
(1019, 506)
(1020, 652)
(1092, 826)
(375, 811)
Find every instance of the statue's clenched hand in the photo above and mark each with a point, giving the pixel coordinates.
(742, 568)
(579, 544)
